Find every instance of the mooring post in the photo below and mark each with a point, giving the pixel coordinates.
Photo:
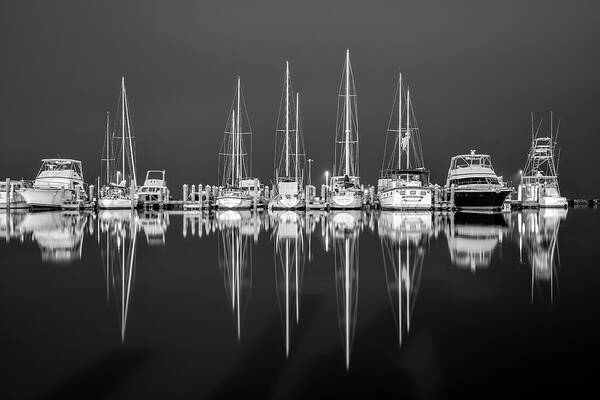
(255, 197)
(185, 193)
(452, 196)
(200, 196)
(7, 197)
(8, 222)
(131, 195)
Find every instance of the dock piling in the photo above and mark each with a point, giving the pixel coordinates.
(8, 195)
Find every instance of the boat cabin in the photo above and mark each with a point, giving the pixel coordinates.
(394, 178)
(155, 186)
(59, 173)
(472, 169)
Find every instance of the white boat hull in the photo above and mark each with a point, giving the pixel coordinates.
(234, 202)
(287, 203)
(553, 202)
(46, 198)
(117, 203)
(406, 198)
(348, 201)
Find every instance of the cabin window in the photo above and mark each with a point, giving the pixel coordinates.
(474, 181)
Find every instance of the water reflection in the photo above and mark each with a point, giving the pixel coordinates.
(9, 221)
(473, 237)
(118, 239)
(538, 239)
(154, 224)
(58, 234)
(289, 266)
(404, 241)
(344, 228)
(473, 242)
(237, 230)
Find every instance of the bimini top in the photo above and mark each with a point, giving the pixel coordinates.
(60, 161)
(471, 161)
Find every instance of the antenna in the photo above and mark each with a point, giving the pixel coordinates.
(532, 127)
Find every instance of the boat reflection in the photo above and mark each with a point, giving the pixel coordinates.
(154, 224)
(9, 222)
(538, 238)
(289, 266)
(344, 228)
(237, 230)
(118, 239)
(473, 237)
(59, 234)
(404, 242)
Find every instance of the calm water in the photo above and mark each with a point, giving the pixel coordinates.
(291, 305)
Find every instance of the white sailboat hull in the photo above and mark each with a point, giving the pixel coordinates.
(47, 197)
(345, 201)
(234, 202)
(117, 203)
(406, 198)
(287, 203)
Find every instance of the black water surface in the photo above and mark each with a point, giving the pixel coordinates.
(296, 305)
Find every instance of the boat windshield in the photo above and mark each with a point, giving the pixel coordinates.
(471, 160)
(475, 181)
(59, 165)
(157, 175)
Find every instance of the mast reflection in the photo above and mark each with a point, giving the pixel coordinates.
(345, 228)
(236, 231)
(289, 266)
(404, 240)
(538, 236)
(118, 240)
(473, 237)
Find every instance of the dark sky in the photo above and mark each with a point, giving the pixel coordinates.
(476, 71)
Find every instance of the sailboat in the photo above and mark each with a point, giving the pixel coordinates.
(237, 191)
(346, 192)
(539, 180)
(289, 152)
(403, 184)
(119, 187)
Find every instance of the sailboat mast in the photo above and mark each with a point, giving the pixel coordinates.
(123, 124)
(400, 121)
(347, 127)
(238, 137)
(233, 148)
(287, 119)
(107, 148)
(132, 165)
(407, 128)
(297, 132)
